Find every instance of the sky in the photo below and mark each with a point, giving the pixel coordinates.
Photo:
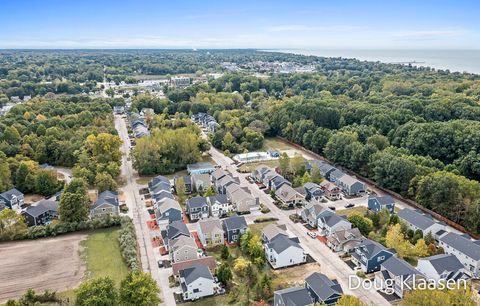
(260, 24)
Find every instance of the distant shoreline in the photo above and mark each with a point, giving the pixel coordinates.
(453, 60)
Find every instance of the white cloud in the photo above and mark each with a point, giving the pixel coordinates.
(427, 35)
(307, 28)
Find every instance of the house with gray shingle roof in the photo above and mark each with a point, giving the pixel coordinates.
(441, 267)
(329, 222)
(40, 213)
(182, 248)
(298, 296)
(234, 227)
(173, 231)
(283, 251)
(12, 199)
(466, 250)
(196, 282)
(271, 231)
(313, 191)
(416, 220)
(400, 274)
(106, 204)
(201, 181)
(369, 255)
(210, 232)
(378, 203)
(167, 211)
(335, 175)
(197, 208)
(219, 205)
(222, 184)
(158, 179)
(350, 185)
(218, 174)
(344, 240)
(289, 196)
(311, 212)
(322, 289)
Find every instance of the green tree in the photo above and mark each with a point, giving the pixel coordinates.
(350, 300)
(105, 181)
(225, 253)
(139, 288)
(11, 224)
(210, 192)
(20, 178)
(97, 292)
(363, 224)
(73, 207)
(315, 175)
(46, 183)
(224, 274)
(5, 173)
(284, 164)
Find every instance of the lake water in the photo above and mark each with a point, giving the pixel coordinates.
(454, 60)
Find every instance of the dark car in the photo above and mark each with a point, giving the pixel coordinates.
(332, 207)
(160, 263)
(349, 205)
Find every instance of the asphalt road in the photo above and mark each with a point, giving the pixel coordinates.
(137, 210)
(330, 263)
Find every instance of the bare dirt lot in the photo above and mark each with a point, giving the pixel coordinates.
(52, 263)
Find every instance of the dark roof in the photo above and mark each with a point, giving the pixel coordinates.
(385, 200)
(462, 244)
(9, 193)
(416, 218)
(371, 248)
(444, 262)
(235, 222)
(196, 202)
(194, 272)
(297, 296)
(323, 287)
(158, 179)
(280, 243)
(399, 267)
(163, 194)
(333, 219)
(221, 198)
(106, 197)
(41, 207)
(175, 229)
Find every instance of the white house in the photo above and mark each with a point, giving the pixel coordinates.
(466, 250)
(219, 205)
(415, 220)
(196, 282)
(283, 252)
(329, 222)
(441, 267)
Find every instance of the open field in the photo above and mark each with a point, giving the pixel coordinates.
(101, 252)
(292, 276)
(257, 228)
(251, 166)
(210, 301)
(359, 210)
(273, 143)
(52, 263)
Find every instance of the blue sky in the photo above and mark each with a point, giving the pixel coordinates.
(280, 24)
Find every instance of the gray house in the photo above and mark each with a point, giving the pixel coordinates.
(350, 185)
(12, 199)
(106, 204)
(416, 220)
(234, 227)
(168, 211)
(273, 230)
(466, 250)
(400, 273)
(322, 289)
(197, 208)
(379, 203)
(298, 296)
(313, 191)
(201, 181)
(43, 212)
(173, 231)
(369, 255)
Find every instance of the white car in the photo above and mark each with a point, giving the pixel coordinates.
(312, 234)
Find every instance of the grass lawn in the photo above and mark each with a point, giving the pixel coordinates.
(102, 255)
(359, 210)
(210, 301)
(274, 143)
(257, 228)
(251, 166)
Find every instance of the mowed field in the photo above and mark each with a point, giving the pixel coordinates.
(51, 263)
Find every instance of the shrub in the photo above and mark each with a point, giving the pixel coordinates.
(128, 243)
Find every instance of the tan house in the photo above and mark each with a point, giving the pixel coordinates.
(183, 248)
(242, 200)
(289, 196)
(210, 232)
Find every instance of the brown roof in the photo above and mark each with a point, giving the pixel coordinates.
(208, 261)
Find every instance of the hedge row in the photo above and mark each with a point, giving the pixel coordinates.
(128, 244)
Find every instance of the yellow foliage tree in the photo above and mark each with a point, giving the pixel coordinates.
(240, 266)
(421, 248)
(464, 297)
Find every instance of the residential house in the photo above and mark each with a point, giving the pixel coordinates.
(201, 181)
(200, 168)
(43, 212)
(12, 199)
(289, 196)
(396, 273)
(182, 248)
(369, 255)
(283, 251)
(271, 231)
(377, 204)
(161, 195)
(298, 296)
(466, 250)
(330, 190)
(441, 267)
(242, 200)
(219, 174)
(210, 232)
(160, 187)
(222, 184)
(168, 211)
(187, 181)
(313, 191)
(415, 220)
(234, 227)
(345, 240)
(323, 290)
(311, 212)
(259, 173)
(106, 204)
(197, 208)
(219, 205)
(278, 182)
(173, 231)
(335, 175)
(269, 176)
(329, 222)
(351, 186)
(196, 282)
(158, 179)
(208, 261)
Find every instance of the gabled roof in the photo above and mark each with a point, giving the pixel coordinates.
(195, 272)
(201, 176)
(333, 219)
(235, 222)
(370, 248)
(399, 267)
(181, 241)
(209, 225)
(107, 197)
(167, 204)
(218, 198)
(280, 243)
(462, 244)
(286, 193)
(196, 202)
(7, 195)
(177, 228)
(416, 218)
(297, 296)
(323, 287)
(342, 236)
(311, 187)
(337, 174)
(384, 200)
(162, 195)
(159, 187)
(41, 207)
(227, 180)
(328, 186)
(272, 230)
(208, 261)
(444, 262)
(349, 180)
(158, 179)
(219, 173)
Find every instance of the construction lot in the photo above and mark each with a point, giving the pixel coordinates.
(52, 263)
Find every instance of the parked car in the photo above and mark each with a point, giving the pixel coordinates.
(349, 205)
(312, 234)
(332, 207)
(160, 263)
